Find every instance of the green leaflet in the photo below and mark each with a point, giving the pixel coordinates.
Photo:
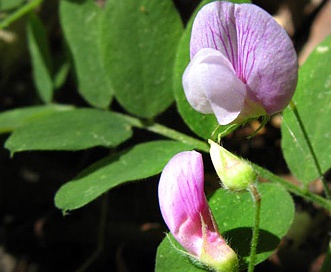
(141, 161)
(81, 24)
(140, 38)
(40, 58)
(313, 99)
(70, 130)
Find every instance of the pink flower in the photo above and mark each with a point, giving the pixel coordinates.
(243, 64)
(185, 210)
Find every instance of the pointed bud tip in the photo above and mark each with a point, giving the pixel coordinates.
(235, 173)
(228, 263)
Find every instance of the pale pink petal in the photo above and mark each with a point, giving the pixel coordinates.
(182, 199)
(186, 212)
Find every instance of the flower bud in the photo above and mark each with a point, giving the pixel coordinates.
(185, 210)
(235, 173)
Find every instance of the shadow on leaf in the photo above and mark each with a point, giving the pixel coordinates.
(240, 241)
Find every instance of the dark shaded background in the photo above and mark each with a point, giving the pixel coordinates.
(125, 224)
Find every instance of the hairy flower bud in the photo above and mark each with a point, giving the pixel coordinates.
(185, 210)
(235, 173)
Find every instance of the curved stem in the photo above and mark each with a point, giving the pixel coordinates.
(19, 13)
(168, 132)
(255, 238)
(311, 149)
(203, 146)
(299, 191)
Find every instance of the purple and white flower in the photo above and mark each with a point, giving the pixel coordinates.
(243, 64)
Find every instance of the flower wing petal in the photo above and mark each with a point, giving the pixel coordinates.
(194, 92)
(210, 82)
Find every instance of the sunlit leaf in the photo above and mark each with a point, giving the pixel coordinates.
(141, 161)
(81, 24)
(40, 58)
(313, 99)
(13, 119)
(140, 40)
(70, 130)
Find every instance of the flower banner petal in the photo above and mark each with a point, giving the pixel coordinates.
(214, 27)
(266, 56)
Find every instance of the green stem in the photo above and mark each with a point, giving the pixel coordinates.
(203, 146)
(255, 238)
(19, 13)
(311, 149)
(299, 191)
(169, 133)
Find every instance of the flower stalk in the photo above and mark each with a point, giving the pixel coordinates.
(255, 237)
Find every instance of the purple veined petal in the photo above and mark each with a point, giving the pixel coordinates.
(268, 60)
(259, 50)
(214, 27)
(185, 210)
(211, 85)
(182, 199)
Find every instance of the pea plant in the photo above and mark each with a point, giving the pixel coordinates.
(230, 65)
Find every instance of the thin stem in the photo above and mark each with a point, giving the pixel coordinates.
(100, 235)
(255, 238)
(203, 146)
(263, 123)
(311, 149)
(299, 191)
(19, 13)
(169, 133)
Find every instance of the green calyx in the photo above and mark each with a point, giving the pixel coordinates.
(228, 264)
(235, 173)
